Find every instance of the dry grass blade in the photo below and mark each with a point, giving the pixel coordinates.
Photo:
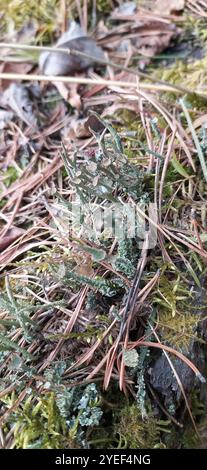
(173, 124)
(70, 325)
(82, 277)
(164, 170)
(195, 138)
(88, 81)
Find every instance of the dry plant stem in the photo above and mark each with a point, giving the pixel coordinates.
(7, 390)
(86, 357)
(170, 203)
(135, 286)
(2, 443)
(147, 131)
(100, 61)
(157, 172)
(126, 320)
(164, 171)
(84, 81)
(145, 292)
(158, 201)
(172, 122)
(112, 352)
(80, 13)
(197, 235)
(184, 241)
(15, 405)
(10, 222)
(195, 138)
(14, 251)
(162, 229)
(67, 330)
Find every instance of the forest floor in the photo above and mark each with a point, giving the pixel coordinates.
(103, 228)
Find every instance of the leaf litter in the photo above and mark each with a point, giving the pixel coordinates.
(79, 307)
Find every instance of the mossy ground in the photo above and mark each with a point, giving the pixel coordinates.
(63, 297)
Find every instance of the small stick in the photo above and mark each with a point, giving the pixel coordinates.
(82, 81)
(74, 52)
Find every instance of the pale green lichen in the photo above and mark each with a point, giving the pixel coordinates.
(131, 358)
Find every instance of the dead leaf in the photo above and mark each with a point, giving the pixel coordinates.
(169, 6)
(75, 99)
(26, 32)
(69, 92)
(126, 8)
(114, 108)
(5, 117)
(139, 35)
(54, 63)
(17, 97)
(154, 39)
(77, 129)
(13, 67)
(201, 121)
(93, 124)
(63, 89)
(23, 35)
(11, 235)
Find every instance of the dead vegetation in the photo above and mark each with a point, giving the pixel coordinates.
(102, 336)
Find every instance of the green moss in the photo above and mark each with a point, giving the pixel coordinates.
(38, 424)
(56, 419)
(136, 433)
(9, 176)
(104, 6)
(177, 321)
(44, 13)
(191, 76)
(178, 331)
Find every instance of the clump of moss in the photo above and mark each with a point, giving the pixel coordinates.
(17, 12)
(38, 424)
(57, 419)
(177, 322)
(104, 6)
(136, 433)
(178, 331)
(47, 15)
